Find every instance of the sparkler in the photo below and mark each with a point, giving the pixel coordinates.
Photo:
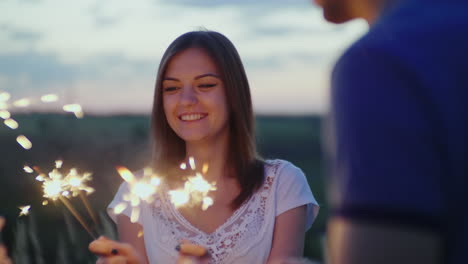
(140, 189)
(57, 187)
(143, 189)
(195, 190)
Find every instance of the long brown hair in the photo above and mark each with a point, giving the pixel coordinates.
(169, 149)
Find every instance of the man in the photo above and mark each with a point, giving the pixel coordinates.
(399, 191)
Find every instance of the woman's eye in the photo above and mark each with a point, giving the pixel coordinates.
(207, 85)
(170, 89)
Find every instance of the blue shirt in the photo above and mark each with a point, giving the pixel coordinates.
(400, 112)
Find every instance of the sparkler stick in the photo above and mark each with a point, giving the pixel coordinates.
(88, 208)
(76, 215)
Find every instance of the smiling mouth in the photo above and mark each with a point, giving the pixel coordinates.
(192, 117)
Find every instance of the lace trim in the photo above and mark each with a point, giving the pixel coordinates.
(245, 224)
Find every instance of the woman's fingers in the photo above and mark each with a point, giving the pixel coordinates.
(114, 252)
(191, 250)
(191, 253)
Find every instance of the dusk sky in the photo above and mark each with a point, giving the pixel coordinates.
(104, 54)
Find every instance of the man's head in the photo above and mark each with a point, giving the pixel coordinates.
(337, 11)
(340, 11)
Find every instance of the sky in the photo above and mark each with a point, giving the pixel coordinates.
(103, 54)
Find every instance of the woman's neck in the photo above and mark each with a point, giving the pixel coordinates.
(213, 154)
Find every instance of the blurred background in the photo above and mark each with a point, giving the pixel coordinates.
(103, 55)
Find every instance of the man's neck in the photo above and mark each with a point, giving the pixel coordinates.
(371, 10)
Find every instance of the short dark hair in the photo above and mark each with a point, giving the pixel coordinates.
(169, 149)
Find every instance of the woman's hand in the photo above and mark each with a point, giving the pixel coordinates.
(4, 259)
(113, 252)
(192, 254)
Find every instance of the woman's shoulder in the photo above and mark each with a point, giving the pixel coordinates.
(280, 167)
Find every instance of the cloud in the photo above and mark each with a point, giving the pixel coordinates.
(40, 71)
(40, 68)
(19, 34)
(217, 3)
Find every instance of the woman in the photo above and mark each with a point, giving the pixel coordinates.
(202, 109)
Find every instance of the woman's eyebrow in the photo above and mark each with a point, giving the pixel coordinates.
(171, 79)
(206, 75)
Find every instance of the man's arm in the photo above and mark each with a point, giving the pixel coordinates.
(364, 242)
(386, 193)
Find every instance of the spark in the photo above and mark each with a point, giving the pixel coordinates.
(58, 164)
(205, 168)
(207, 202)
(49, 98)
(28, 169)
(192, 163)
(25, 102)
(53, 188)
(76, 182)
(140, 190)
(183, 165)
(195, 191)
(75, 109)
(24, 142)
(200, 184)
(4, 114)
(179, 197)
(4, 96)
(24, 210)
(40, 178)
(119, 208)
(11, 123)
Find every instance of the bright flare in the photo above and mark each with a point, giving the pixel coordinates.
(11, 123)
(195, 190)
(75, 109)
(4, 96)
(179, 197)
(207, 202)
(25, 102)
(126, 174)
(140, 189)
(49, 98)
(118, 209)
(28, 169)
(4, 114)
(24, 210)
(76, 182)
(192, 163)
(24, 142)
(53, 189)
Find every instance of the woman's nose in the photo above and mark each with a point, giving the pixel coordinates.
(188, 96)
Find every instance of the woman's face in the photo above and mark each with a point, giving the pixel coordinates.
(194, 98)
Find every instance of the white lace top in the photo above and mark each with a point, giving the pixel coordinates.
(245, 237)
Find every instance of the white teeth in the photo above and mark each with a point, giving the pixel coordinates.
(191, 117)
